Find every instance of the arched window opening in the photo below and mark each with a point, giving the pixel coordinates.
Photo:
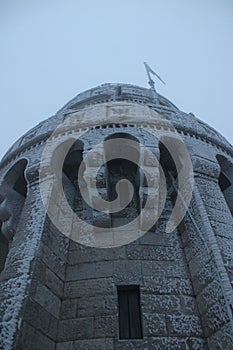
(118, 169)
(73, 163)
(170, 161)
(20, 185)
(4, 249)
(225, 180)
(14, 193)
(12, 199)
(15, 178)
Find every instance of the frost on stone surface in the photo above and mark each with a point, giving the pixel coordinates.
(16, 288)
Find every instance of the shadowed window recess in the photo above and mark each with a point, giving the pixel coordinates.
(225, 180)
(4, 249)
(129, 312)
(120, 168)
(171, 163)
(13, 193)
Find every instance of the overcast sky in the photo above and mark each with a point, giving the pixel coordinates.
(50, 50)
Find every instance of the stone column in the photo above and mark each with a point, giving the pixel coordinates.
(16, 277)
(208, 274)
(92, 165)
(149, 184)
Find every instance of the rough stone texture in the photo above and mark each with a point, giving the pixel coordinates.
(58, 294)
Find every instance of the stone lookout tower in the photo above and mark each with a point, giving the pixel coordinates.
(154, 274)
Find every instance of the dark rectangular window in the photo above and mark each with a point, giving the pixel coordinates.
(130, 325)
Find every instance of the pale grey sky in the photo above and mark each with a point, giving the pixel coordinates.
(50, 50)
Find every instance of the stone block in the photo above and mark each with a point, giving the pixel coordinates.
(215, 318)
(131, 344)
(188, 305)
(69, 308)
(48, 278)
(175, 343)
(56, 241)
(198, 261)
(52, 261)
(87, 288)
(168, 343)
(105, 327)
(210, 295)
(75, 329)
(47, 300)
(204, 276)
(160, 238)
(222, 229)
(89, 271)
(93, 344)
(161, 285)
(101, 305)
(223, 339)
(40, 319)
(154, 325)
(160, 303)
(163, 269)
(147, 252)
(127, 272)
(183, 325)
(33, 339)
(196, 344)
(83, 254)
(65, 346)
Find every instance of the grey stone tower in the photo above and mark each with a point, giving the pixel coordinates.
(63, 286)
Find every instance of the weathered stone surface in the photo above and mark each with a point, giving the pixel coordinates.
(47, 300)
(68, 308)
(48, 278)
(88, 271)
(210, 295)
(131, 344)
(95, 344)
(82, 254)
(52, 261)
(97, 305)
(170, 285)
(215, 318)
(184, 326)
(163, 269)
(169, 343)
(222, 339)
(59, 294)
(204, 276)
(147, 252)
(44, 322)
(105, 327)
(86, 288)
(74, 329)
(33, 339)
(127, 272)
(155, 324)
(160, 303)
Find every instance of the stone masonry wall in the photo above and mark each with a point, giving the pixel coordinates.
(89, 311)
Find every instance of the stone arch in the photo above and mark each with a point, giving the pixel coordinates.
(70, 169)
(4, 249)
(67, 162)
(225, 180)
(172, 158)
(13, 193)
(118, 169)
